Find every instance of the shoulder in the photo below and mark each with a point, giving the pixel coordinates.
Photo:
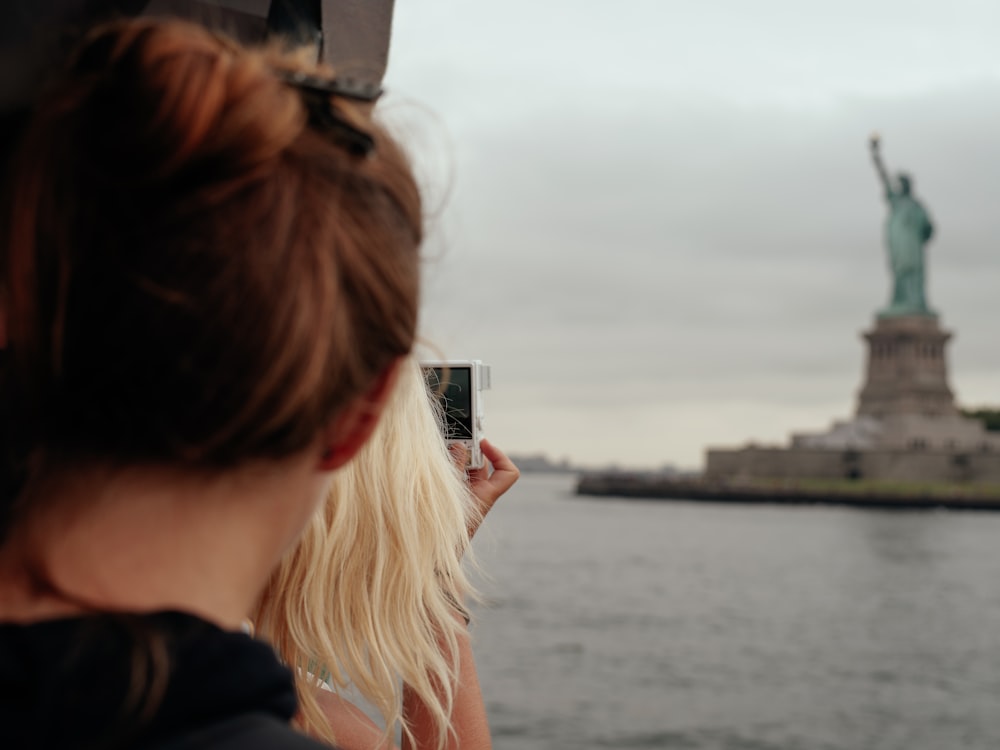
(258, 731)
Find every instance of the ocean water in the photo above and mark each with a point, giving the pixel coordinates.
(643, 624)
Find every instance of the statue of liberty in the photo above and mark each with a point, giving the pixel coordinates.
(907, 230)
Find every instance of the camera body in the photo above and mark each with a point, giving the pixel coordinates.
(458, 385)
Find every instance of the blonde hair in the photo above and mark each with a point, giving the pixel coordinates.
(370, 596)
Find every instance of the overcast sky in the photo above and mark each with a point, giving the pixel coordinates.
(658, 221)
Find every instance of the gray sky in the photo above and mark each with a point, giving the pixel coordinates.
(658, 220)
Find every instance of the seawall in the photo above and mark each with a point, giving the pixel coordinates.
(897, 495)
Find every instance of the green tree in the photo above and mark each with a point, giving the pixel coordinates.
(990, 416)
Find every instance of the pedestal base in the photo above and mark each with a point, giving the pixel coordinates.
(907, 371)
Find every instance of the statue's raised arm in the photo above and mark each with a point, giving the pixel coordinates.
(883, 175)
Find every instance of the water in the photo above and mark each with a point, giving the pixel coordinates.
(631, 624)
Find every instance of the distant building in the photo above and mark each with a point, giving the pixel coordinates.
(539, 462)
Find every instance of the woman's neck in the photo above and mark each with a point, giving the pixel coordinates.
(152, 539)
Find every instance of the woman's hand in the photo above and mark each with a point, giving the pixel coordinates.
(491, 481)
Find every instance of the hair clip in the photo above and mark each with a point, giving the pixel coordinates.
(317, 93)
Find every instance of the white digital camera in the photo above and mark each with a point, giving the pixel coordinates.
(458, 384)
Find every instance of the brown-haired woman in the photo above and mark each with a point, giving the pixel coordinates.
(209, 274)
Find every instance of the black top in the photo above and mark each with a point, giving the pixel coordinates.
(166, 681)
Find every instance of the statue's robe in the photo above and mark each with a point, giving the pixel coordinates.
(907, 230)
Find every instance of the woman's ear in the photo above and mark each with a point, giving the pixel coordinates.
(350, 430)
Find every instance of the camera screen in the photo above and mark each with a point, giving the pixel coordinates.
(455, 397)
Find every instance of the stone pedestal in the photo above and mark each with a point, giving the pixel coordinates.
(907, 371)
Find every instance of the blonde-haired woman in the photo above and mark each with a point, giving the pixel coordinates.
(371, 596)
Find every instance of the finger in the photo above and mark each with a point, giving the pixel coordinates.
(499, 459)
(505, 472)
(489, 486)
